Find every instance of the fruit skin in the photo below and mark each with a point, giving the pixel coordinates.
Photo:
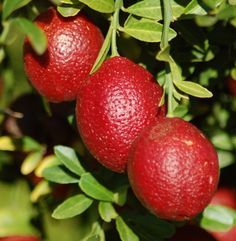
(231, 85)
(19, 238)
(227, 197)
(73, 46)
(173, 169)
(113, 106)
(191, 233)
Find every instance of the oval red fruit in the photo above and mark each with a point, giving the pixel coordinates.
(113, 106)
(73, 46)
(173, 169)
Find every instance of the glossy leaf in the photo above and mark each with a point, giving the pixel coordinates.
(90, 186)
(58, 175)
(31, 162)
(195, 8)
(103, 6)
(107, 211)
(36, 36)
(9, 6)
(69, 11)
(69, 158)
(125, 232)
(147, 30)
(152, 9)
(72, 206)
(218, 218)
(193, 89)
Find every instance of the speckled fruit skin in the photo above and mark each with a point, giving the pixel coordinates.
(227, 197)
(19, 238)
(173, 169)
(113, 106)
(73, 46)
(191, 233)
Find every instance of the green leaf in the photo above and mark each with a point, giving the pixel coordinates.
(126, 234)
(25, 144)
(226, 158)
(36, 36)
(212, 3)
(152, 9)
(227, 13)
(90, 186)
(107, 211)
(58, 175)
(193, 89)
(195, 8)
(206, 20)
(121, 195)
(69, 10)
(96, 234)
(103, 6)
(69, 158)
(222, 140)
(218, 218)
(31, 162)
(72, 206)
(9, 6)
(103, 51)
(146, 30)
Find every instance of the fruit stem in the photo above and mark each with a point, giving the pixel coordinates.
(167, 16)
(115, 26)
(167, 13)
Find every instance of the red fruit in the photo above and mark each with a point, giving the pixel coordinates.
(19, 238)
(191, 233)
(231, 85)
(113, 106)
(173, 169)
(73, 46)
(226, 197)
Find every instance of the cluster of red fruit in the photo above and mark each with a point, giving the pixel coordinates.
(172, 166)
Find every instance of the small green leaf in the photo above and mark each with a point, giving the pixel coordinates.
(103, 51)
(107, 211)
(58, 175)
(227, 13)
(218, 218)
(206, 20)
(103, 6)
(9, 6)
(90, 186)
(193, 89)
(222, 140)
(121, 195)
(72, 206)
(69, 10)
(147, 9)
(96, 234)
(36, 36)
(69, 158)
(226, 158)
(31, 162)
(126, 234)
(212, 3)
(146, 30)
(195, 8)
(152, 9)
